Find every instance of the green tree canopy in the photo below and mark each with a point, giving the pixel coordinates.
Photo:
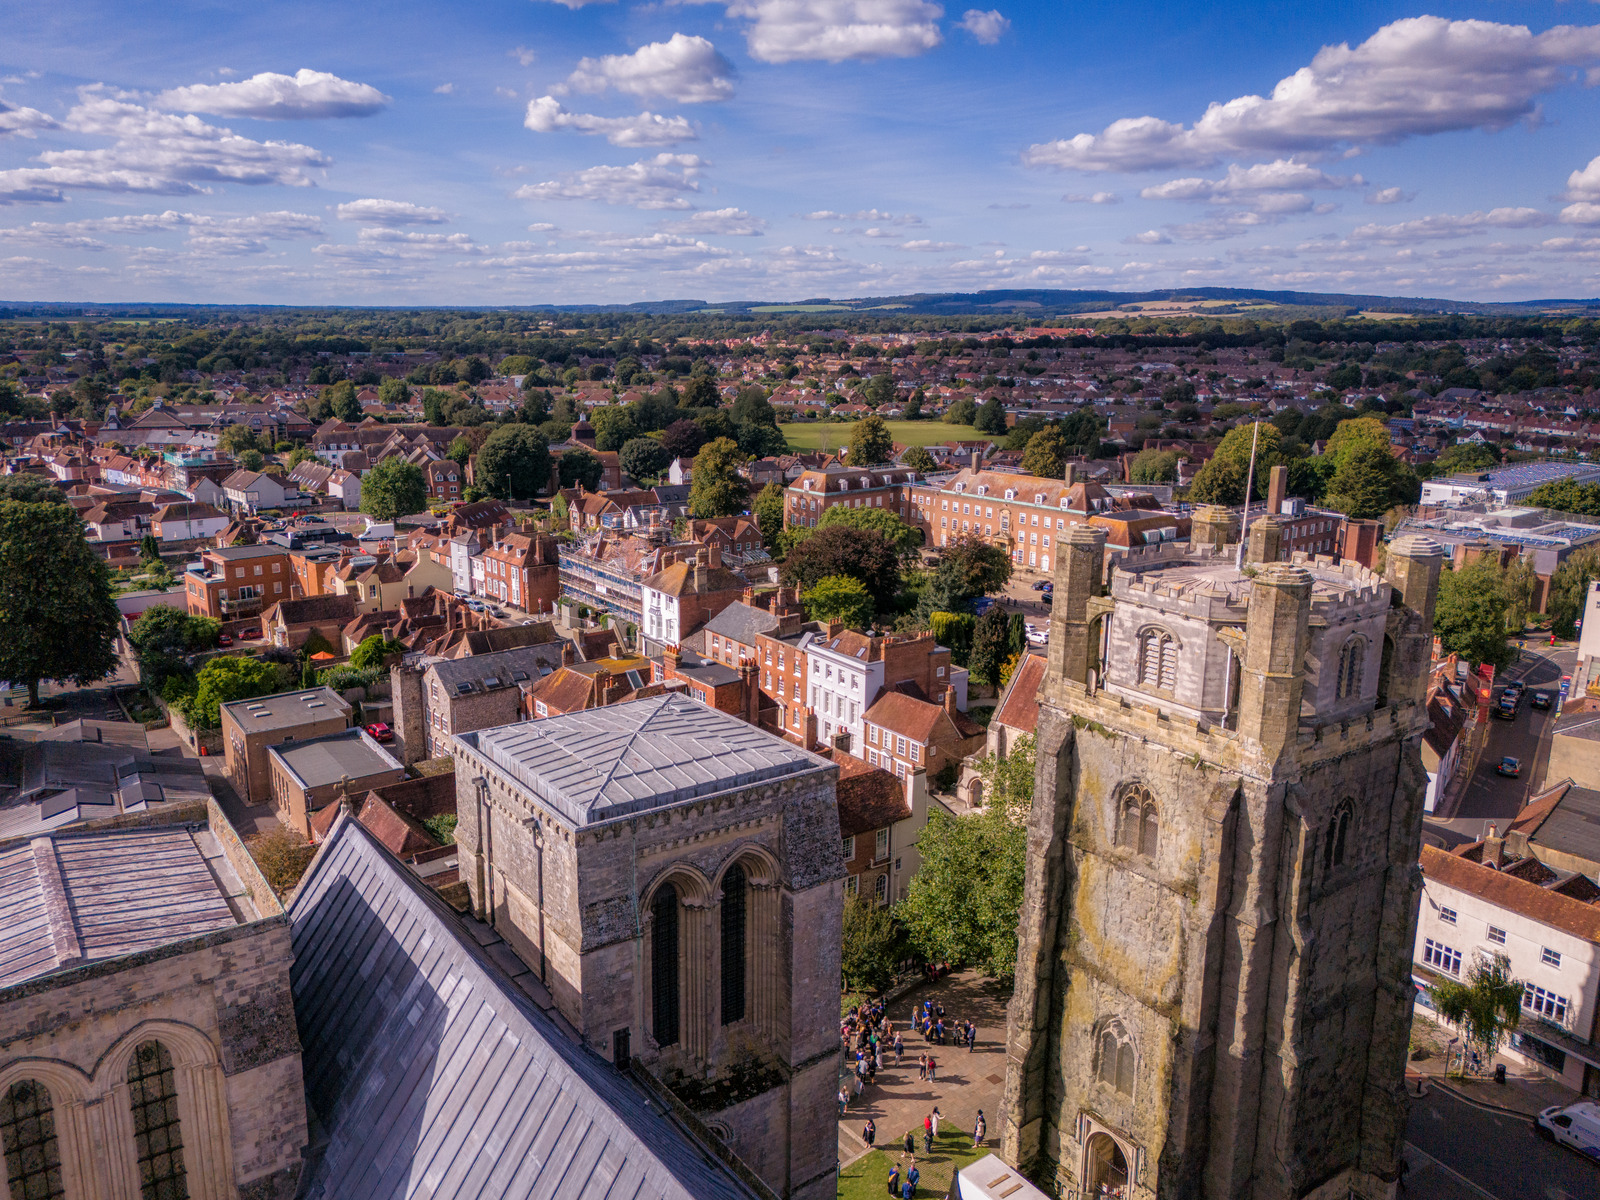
(29, 488)
(1222, 480)
(372, 651)
(394, 392)
(879, 391)
(1358, 433)
(514, 462)
(716, 488)
(393, 488)
(870, 443)
(1486, 1006)
(991, 418)
(580, 468)
(919, 460)
(224, 680)
(840, 598)
(954, 631)
(991, 646)
(1154, 466)
(863, 555)
(683, 438)
(251, 460)
(613, 426)
(1046, 454)
(236, 439)
(906, 539)
(1581, 499)
(1369, 481)
(1470, 456)
(870, 947)
(644, 457)
(768, 509)
(1569, 590)
(967, 568)
(163, 636)
(57, 617)
(341, 399)
(1470, 616)
(961, 412)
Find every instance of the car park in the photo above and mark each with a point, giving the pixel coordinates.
(1542, 699)
(378, 731)
(1509, 767)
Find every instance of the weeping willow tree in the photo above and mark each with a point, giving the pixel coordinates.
(1485, 1007)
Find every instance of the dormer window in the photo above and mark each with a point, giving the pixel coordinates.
(1065, 503)
(1038, 497)
(1011, 493)
(961, 487)
(983, 489)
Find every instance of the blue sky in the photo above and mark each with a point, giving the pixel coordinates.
(526, 151)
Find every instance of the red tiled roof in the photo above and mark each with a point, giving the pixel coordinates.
(1508, 892)
(1019, 707)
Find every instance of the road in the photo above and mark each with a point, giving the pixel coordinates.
(1489, 796)
(1467, 1153)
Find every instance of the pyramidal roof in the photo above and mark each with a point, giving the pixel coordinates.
(640, 755)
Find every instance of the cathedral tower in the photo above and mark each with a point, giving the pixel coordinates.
(1213, 983)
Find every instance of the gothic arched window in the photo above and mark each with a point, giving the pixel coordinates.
(1352, 661)
(158, 1138)
(1158, 659)
(1337, 836)
(28, 1132)
(1138, 822)
(1116, 1061)
(664, 966)
(733, 896)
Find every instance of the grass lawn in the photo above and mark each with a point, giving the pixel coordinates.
(835, 435)
(867, 1178)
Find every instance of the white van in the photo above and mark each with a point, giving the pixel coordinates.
(1576, 1125)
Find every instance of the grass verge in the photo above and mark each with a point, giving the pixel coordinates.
(867, 1178)
(835, 435)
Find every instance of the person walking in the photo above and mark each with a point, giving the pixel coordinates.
(869, 1133)
(922, 1067)
(894, 1181)
(927, 1139)
(972, 1036)
(935, 1119)
(898, 1049)
(844, 1100)
(911, 1145)
(932, 1070)
(980, 1128)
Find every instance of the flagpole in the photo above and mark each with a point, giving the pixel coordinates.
(1249, 486)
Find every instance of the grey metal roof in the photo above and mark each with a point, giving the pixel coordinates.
(73, 898)
(1573, 826)
(503, 666)
(287, 709)
(604, 763)
(348, 754)
(435, 1077)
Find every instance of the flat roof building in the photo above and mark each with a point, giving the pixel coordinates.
(306, 776)
(251, 727)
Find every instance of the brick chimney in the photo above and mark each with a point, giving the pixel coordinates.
(1277, 489)
(841, 741)
(1493, 848)
(950, 700)
(714, 555)
(749, 597)
(1070, 475)
(752, 691)
(670, 658)
(566, 654)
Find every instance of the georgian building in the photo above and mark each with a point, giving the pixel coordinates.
(814, 492)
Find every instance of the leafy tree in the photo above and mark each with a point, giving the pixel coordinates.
(1569, 590)
(644, 457)
(870, 443)
(1580, 499)
(613, 426)
(702, 392)
(1017, 641)
(760, 441)
(840, 550)
(1344, 377)
(991, 646)
(580, 468)
(1519, 582)
(236, 439)
(913, 408)
(1046, 455)
(224, 680)
(963, 902)
(906, 539)
(28, 488)
(514, 462)
(1486, 1005)
(1358, 433)
(1470, 616)
(840, 598)
(967, 568)
(251, 460)
(299, 455)
(682, 439)
(1475, 456)
(1368, 482)
(163, 636)
(393, 488)
(919, 460)
(954, 632)
(871, 946)
(768, 511)
(751, 404)
(460, 450)
(991, 417)
(342, 401)
(961, 412)
(879, 391)
(372, 651)
(716, 489)
(1222, 480)
(1181, 392)
(394, 392)
(1154, 466)
(57, 618)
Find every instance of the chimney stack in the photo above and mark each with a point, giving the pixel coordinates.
(714, 555)
(1070, 476)
(566, 654)
(1494, 847)
(752, 691)
(671, 657)
(950, 700)
(1277, 489)
(749, 597)
(841, 741)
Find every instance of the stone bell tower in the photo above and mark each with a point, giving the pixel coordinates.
(1213, 981)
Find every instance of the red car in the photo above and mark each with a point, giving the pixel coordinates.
(224, 639)
(379, 732)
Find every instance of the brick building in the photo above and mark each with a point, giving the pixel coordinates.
(816, 491)
(306, 775)
(436, 698)
(880, 819)
(251, 727)
(903, 734)
(291, 623)
(686, 593)
(523, 570)
(849, 672)
(238, 581)
(443, 481)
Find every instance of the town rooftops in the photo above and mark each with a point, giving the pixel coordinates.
(286, 710)
(68, 899)
(1019, 706)
(499, 669)
(637, 756)
(425, 1051)
(1505, 890)
(1570, 824)
(348, 754)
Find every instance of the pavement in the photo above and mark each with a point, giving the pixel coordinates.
(966, 1080)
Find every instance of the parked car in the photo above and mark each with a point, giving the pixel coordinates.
(1048, 589)
(224, 639)
(1516, 687)
(1542, 700)
(1038, 635)
(1507, 708)
(1041, 585)
(253, 632)
(1575, 1125)
(476, 605)
(379, 732)
(1509, 767)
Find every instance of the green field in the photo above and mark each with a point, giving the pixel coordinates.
(835, 435)
(864, 1179)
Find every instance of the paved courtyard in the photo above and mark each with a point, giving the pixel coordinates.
(967, 1081)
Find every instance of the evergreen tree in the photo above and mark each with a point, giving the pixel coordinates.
(768, 511)
(716, 488)
(991, 646)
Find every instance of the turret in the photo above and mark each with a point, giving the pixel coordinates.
(1213, 525)
(1266, 541)
(1413, 571)
(1273, 676)
(1079, 573)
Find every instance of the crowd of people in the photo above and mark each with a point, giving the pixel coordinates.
(875, 1043)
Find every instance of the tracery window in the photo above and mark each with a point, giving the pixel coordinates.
(1352, 661)
(1158, 659)
(28, 1132)
(158, 1138)
(1336, 838)
(1116, 1061)
(1138, 821)
(664, 966)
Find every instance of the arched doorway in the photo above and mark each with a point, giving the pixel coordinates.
(1106, 1167)
(975, 793)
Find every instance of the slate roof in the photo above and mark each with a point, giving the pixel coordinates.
(1571, 826)
(506, 667)
(70, 899)
(436, 1077)
(603, 763)
(741, 622)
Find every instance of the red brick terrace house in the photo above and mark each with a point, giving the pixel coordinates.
(880, 820)
(905, 734)
(484, 514)
(443, 480)
(814, 492)
(734, 690)
(524, 569)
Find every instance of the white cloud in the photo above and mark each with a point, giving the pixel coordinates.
(927, 246)
(546, 115)
(445, 89)
(1150, 237)
(23, 120)
(541, 227)
(390, 213)
(652, 183)
(1584, 212)
(247, 234)
(985, 27)
(410, 237)
(1416, 76)
(506, 93)
(1092, 198)
(686, 69)
(1391, 195)
(1583, 184)
(722, 222)
(272, 97)
(1450, 225)
(865, 214)
(1226, 225)
(837, 30)
(575, 4)
(155, 153)
(523, 55)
